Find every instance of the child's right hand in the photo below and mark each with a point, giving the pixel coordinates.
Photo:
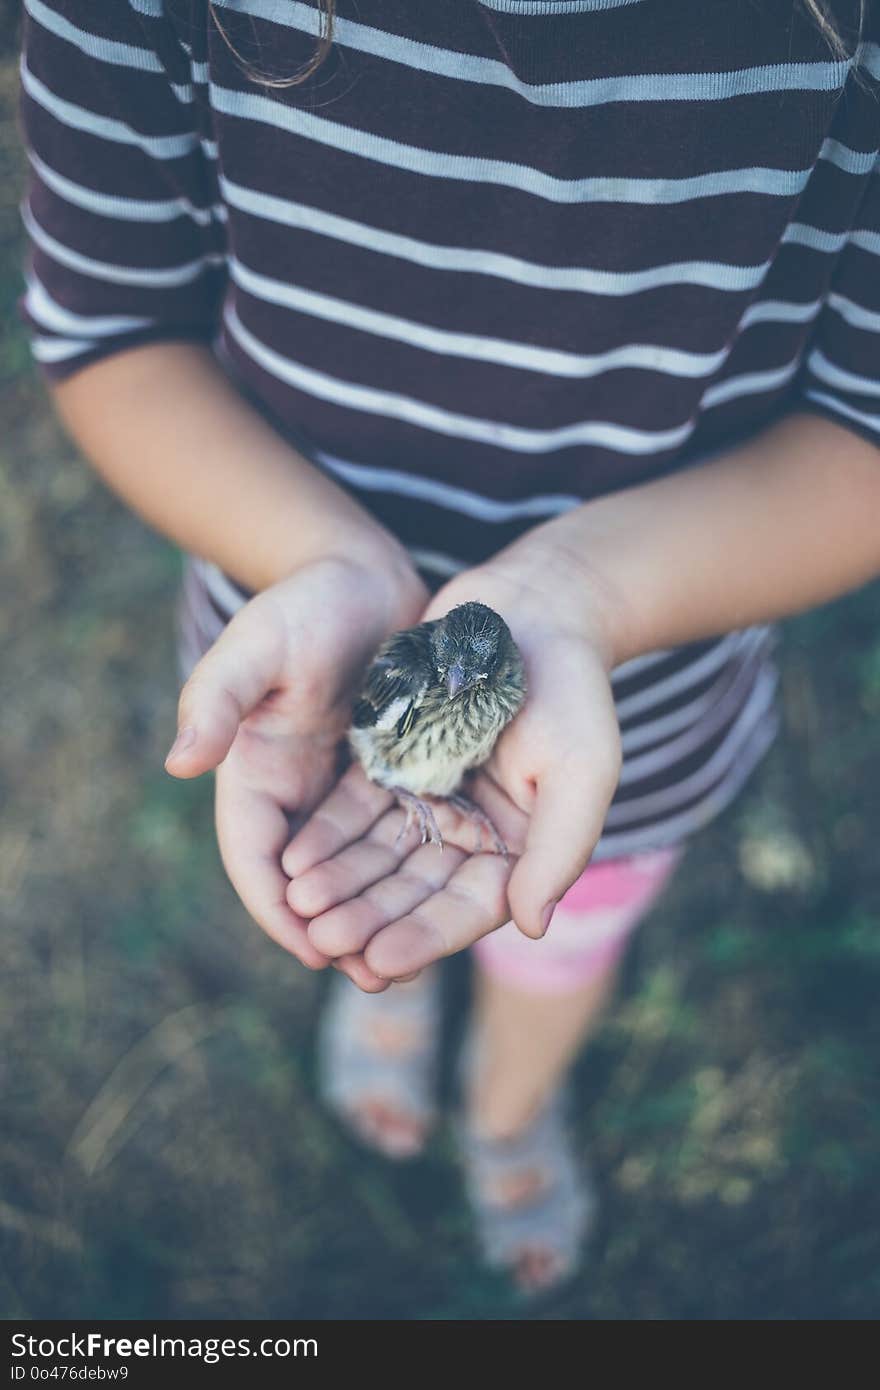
(268, 705)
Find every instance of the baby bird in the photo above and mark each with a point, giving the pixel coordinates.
(434, 700)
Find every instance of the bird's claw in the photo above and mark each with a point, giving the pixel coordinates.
(420, 812)
(474, 813)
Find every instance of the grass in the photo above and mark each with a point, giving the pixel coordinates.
(162, 1152)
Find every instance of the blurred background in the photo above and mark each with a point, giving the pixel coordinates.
(162, 1153)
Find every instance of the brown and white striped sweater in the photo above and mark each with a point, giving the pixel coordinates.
(495, 258)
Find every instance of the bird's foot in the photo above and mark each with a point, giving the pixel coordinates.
(472, 812)
(420, 813)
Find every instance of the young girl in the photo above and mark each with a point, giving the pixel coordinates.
(569, 306)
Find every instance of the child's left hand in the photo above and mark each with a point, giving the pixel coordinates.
(547, 788)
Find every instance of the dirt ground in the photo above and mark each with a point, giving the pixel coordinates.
(162, 1153)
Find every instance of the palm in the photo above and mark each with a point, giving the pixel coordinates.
(404, 904)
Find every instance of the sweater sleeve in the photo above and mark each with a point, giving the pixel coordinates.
(841, 374)
(126, 236)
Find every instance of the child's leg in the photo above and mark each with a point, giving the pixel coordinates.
(527, 1043)
(536, 1004)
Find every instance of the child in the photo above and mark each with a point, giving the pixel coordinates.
(568, 306)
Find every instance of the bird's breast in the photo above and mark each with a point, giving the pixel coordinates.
(447, 738)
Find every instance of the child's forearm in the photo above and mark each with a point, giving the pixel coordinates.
(787, 521)
(170, 434)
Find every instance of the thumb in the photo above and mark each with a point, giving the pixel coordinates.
(566, 822)
(230, 680)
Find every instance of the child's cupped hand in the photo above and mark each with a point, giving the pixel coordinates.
(398, 905)
(268, 706)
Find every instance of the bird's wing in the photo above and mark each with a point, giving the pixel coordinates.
(396, 680)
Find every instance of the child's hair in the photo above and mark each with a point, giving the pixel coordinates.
(326, 9)
(818, 10)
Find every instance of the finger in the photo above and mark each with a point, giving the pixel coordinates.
(359, 973)
(251, 828)
(353, 869)
(566, 823)
(350, 926)
(357, 970)
(229, 681)
(470, 905)
(351, 809)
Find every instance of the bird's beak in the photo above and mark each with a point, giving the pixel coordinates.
(455, 680)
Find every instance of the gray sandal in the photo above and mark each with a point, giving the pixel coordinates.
(379, 1053)
(538, 1239)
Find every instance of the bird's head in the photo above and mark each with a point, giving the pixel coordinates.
(469, 645)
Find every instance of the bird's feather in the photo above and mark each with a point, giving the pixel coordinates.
(406, 720)
(396, 679)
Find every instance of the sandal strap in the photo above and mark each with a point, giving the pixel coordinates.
(558, 1218)
(351, 1066)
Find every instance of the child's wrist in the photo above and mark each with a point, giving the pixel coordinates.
(538, 583)
(379, 560)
